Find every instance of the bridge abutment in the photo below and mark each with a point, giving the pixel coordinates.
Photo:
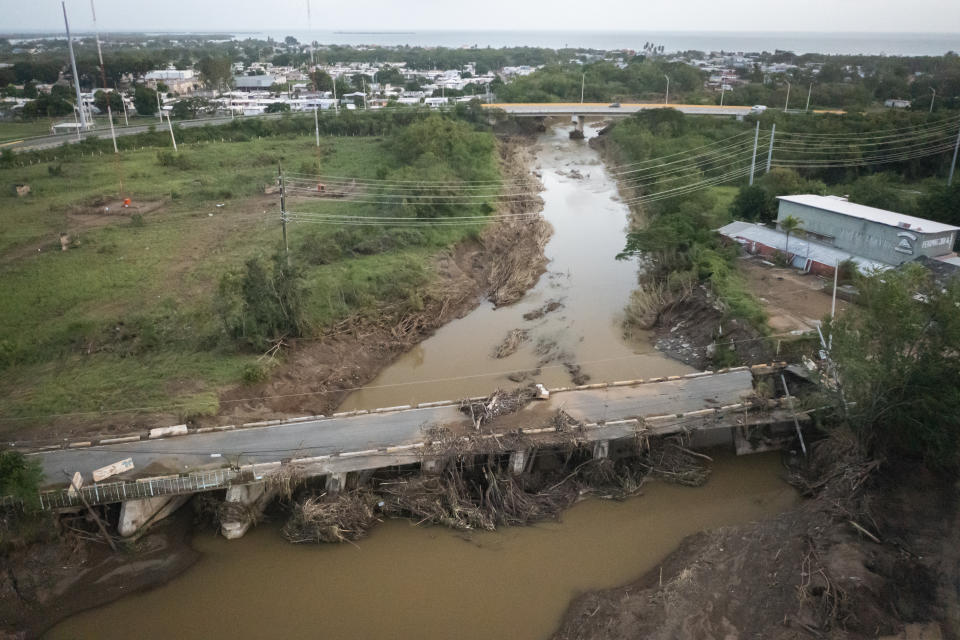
(137, 515)
(601, 449)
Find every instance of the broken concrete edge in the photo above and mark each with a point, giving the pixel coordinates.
(133, 437)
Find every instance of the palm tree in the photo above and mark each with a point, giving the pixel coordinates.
(788, 225)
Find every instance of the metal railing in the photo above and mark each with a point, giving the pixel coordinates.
(106, 493)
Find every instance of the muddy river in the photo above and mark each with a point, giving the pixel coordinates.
(589, 227)
(405, 581)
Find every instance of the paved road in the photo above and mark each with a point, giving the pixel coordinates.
(604, 108)
(48, 142)
(376, 431)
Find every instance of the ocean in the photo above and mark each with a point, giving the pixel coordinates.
(907, 44)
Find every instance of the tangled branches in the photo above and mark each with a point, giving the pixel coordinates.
(347, 518)
(497, 404)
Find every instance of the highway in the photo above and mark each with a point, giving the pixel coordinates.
(37, 143)
(380, 430)
(534, 109)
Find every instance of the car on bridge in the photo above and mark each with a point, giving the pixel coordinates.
(758, 108)
(614, 105)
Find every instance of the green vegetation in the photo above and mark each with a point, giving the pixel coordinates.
(678, 233)
(642, 80)
(905, 397)
(20, 477)
(165, 307)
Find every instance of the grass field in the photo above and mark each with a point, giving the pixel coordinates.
(126, 317)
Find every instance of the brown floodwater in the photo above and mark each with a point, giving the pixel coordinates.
(589, 224)
(405, 581)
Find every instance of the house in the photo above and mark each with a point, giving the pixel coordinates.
(876, 234)
(896, 103)
(264, 81)
(177, 80)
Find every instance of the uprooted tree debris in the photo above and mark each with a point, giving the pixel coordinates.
(474, 490)
(496, 404)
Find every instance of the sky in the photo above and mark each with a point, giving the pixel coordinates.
(938, 16)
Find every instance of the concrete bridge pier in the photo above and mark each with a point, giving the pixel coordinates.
(578, 122)
(601, 449)
(432, 466)
(254, 497)
(336, 482)
(518, 461)
(137, 515)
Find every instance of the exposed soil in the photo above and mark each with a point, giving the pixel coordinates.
(686, 331)
(47, 582)
(808, 573)
(793, 301)
(80, 218)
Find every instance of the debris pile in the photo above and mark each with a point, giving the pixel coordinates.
(511, 343)
(347, 518)
(497, 404)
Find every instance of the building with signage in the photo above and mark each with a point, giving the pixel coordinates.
(833, 230)
(876, 234)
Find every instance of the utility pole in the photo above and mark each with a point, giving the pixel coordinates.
(316, 124)
(103, 77)
(723, 88)
(773, 132)
(666, 98)
(809, 92)
(170, 125)
(953, 164)
(933, 98)
(283, 212)
(583, 81)
(123, 103)
(786, 104)
(336, 105)
(73, 66)
(753, 160)
(159, 106)
(363, 85)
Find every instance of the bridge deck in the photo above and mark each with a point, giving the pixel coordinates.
(380, 431)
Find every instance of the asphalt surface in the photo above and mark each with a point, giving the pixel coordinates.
(604, 108)
(382, 430)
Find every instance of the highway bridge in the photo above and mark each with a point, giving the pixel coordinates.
(571, 109)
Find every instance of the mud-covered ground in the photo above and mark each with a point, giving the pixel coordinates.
(45, 582)
(808, 573)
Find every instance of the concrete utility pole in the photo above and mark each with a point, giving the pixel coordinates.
(103, 77)
(953, 164)
(336, 105)
(666, 98)
(159, 106)
(773, 132)
(73, 66)
(933, 98)
(723, 88)
(583, 81)
(316, 124)
(283, 212)
(809, 92)
(170, 125)
(786, 104)
(753, 160)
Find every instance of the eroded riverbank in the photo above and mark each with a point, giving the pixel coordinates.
(567, 328)
(405, 581)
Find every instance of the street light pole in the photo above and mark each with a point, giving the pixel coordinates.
(809, 92)
(666, 98)
(583, 80)
(786, 105)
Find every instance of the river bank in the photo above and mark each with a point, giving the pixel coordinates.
(887, 568)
